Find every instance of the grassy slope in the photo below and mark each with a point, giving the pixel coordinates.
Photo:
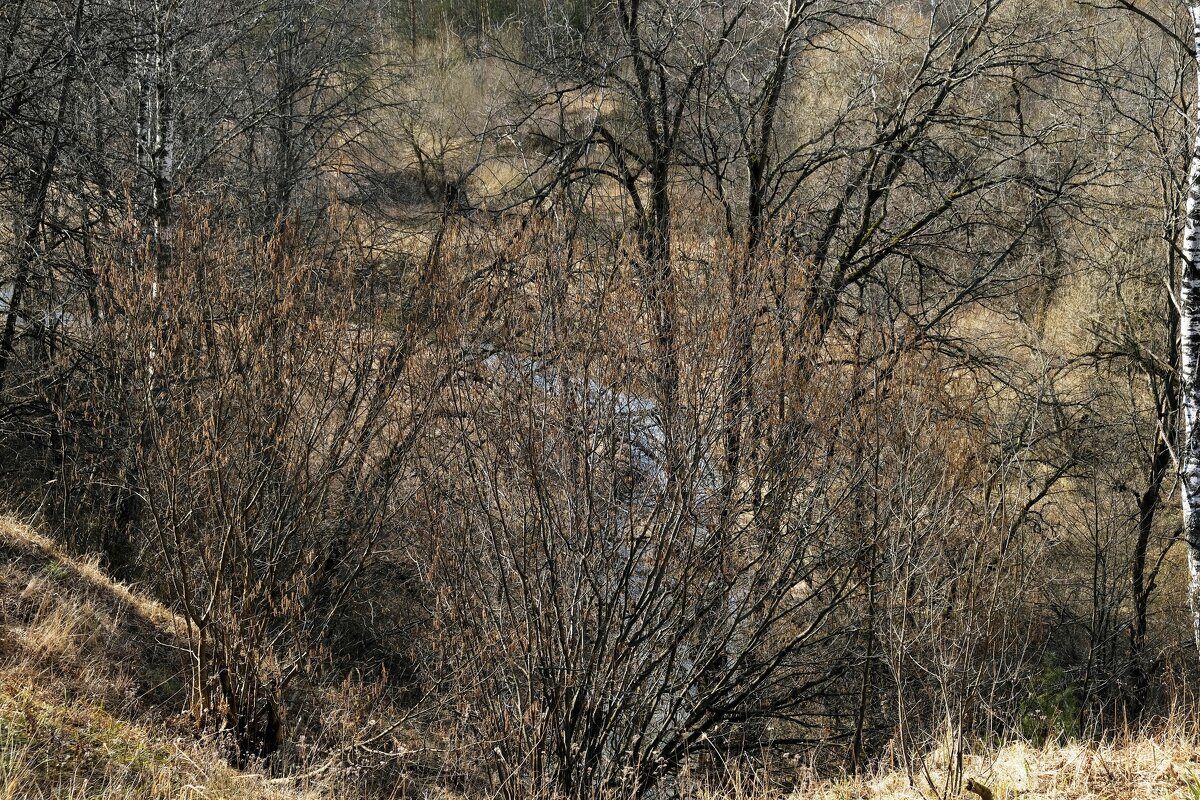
(91, 688)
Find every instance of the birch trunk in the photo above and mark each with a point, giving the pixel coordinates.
(1189, 351)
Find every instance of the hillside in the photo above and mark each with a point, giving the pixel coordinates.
(91, 688)
(90, 694)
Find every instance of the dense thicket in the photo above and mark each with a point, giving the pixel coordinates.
(591, 396)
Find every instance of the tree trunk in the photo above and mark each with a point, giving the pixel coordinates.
(35, 202)
(1189, 349)
(412, 26)
(1143, 574)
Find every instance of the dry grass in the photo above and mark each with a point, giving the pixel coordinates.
(75, 750)
(90, 685)
(63, 622)
(1161, 767)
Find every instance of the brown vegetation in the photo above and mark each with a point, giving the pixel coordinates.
(597, 399)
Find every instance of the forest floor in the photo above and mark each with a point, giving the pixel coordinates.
(91, 706)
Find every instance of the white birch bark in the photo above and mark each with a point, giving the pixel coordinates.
(1189, 333)
(156, 135)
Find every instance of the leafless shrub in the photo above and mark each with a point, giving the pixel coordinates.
(271, 416)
